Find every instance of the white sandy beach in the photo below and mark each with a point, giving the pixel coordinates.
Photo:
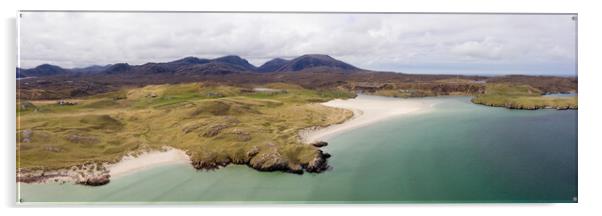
(366, 110)
(130, 164)
(127, 165)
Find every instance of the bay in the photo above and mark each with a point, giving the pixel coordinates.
(456, 152)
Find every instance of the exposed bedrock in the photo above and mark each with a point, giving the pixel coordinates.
(96, 180)
(91, 174)
(267, 160)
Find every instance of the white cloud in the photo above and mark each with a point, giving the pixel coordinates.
(487, 49)
(373, 41)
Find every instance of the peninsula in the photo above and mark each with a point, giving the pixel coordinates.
(88, 125)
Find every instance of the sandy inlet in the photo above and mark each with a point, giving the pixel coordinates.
(366, 110)
(130, 164)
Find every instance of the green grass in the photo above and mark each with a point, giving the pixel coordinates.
(213, 123)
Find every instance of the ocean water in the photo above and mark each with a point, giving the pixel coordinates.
(457, 152)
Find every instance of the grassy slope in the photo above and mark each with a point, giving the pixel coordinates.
(214, 124)
(521, 97)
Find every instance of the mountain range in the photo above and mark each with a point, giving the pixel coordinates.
(311, 71)
(193, 65)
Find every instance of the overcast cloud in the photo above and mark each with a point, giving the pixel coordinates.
(412, 43)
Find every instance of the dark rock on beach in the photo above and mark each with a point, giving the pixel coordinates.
(96, 180)
(319, 144)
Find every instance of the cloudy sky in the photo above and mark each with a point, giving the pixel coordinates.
(411, 43)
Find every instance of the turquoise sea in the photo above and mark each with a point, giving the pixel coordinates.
(457, 152)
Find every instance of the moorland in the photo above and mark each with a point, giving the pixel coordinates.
(222, 111)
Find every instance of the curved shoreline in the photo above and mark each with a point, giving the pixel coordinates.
(100, 174)
(367, 110)
(129, 164)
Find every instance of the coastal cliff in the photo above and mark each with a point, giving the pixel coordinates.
(270, 159)
(97, 174)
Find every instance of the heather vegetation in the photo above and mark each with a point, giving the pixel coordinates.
(215, 124)
(225, 110)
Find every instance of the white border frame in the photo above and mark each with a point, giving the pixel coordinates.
(589, 61)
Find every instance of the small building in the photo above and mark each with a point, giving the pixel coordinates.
(66, 103)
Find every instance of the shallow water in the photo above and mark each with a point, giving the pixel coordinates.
(457, 152)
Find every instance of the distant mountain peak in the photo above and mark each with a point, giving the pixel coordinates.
(118, 68)
(91, 69)
(236, 60)
(190, 60)
(316, 60)
(42, 70)
(49, 66)
(272, 65)
(278, 60)
(231, 57)
(322, 56)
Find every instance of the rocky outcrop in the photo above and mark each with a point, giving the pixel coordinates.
(209, 165)
(264, 159)
(270, 160)
(41, 176)
(319, 163)
(91, 174)
(319, 144)
(253, 151)
(242, 136)
(96, 180)
(215, 130)
(209, 160)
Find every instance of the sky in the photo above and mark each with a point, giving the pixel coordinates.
(484, 44)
